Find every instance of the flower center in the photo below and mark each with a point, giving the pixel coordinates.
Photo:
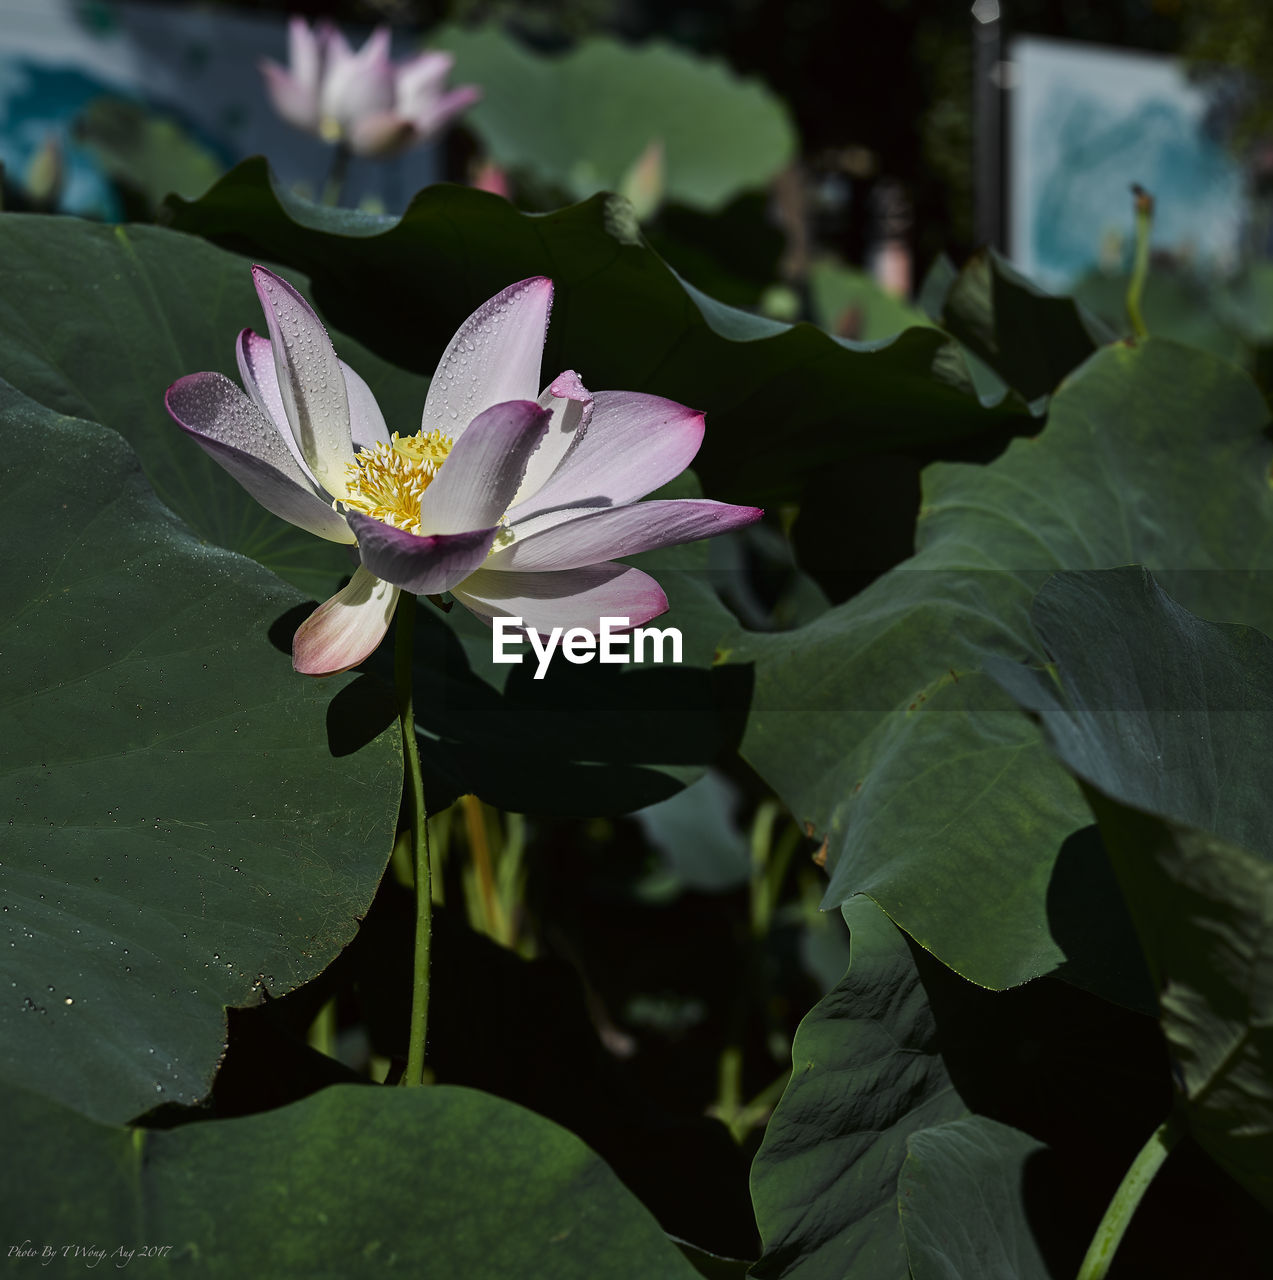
(387, 481)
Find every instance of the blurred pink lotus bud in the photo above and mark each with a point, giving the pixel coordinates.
(490, 177)
(46, 172)
(644, 182)
(362, 100)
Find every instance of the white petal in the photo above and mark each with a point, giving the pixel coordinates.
(296, 103)
(347, 629)
(304, 55)
(380, 133)
(430, 119)
(494, 357)
(255, 357)
(622, 531)
(419, 82)
(260, 378)
(366, 422)
(359, 84)
(571, 405)
(634, 443)
(484, 469)
(231, 429)
(310, 381)
(566, 598)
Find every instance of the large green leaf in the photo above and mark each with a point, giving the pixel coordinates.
(1029, 338)
(962, 1205)
(1204, 910)
(874, 724)
(1166, 719)
(1161, 710)
(182, 833)
(98, 321)
(578, 121)
(779, 399)
(355, 1181)
(854, 304)
(866, 1076)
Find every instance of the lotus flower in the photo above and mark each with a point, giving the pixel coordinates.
(514, 501)
(362, 99)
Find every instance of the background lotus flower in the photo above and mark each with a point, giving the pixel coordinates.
(491, 177)
(362, 100)
(646, 181)
(515, 501)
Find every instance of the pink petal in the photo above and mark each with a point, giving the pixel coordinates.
(571, 405)
(332, 43)
(566, 598)
(305, 56)
(633, 444)
(421, 565)
(296, 102)
(490, 177)
(209, 407)
(255, 358)
(527, 526)
(476, 483)
(420, 79)
(644, 183)
(260, 378)
(347, 629)
(310, 381)
(231, 429)
(381, 133)
(360, 84)
(375, 51)
(430, 118)
(622, 531)
(366, 422)
(493, 358)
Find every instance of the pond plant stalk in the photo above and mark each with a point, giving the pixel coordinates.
(1127, 1198)
(334, 187)
(413, 783)
(1144, 205)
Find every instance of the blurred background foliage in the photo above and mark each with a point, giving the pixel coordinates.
(809, 75)
(834, 65)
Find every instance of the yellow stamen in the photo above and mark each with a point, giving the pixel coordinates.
(329, 129)
(387, 481)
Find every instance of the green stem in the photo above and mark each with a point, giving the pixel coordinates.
(479, 848)
(1128, 1196)
(779, 860)
(759, 1109)
(762, 829)
(509, 878)
(334, 187)
(729, 1083)
(322, 1031)
(1140, 264)
(404, 635)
